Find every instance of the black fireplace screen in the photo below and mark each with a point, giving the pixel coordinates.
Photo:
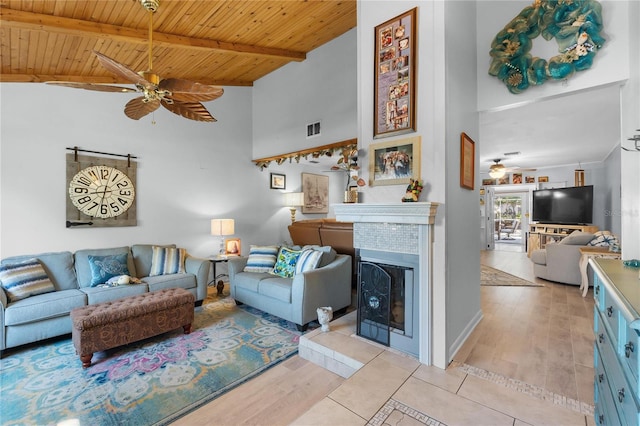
(381, 300)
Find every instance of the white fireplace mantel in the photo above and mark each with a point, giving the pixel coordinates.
(422, 213)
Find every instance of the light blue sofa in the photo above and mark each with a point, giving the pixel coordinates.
(293, 299)
(48, 315)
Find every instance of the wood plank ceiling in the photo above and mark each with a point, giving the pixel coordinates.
(229, 42)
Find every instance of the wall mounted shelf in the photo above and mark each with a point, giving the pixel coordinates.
(343, 148)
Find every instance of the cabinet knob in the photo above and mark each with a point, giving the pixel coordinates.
(628, 349)
(601, 418)
(600, 377)
(621, 395)
(597, 290)
(601, 338)
(610, 311)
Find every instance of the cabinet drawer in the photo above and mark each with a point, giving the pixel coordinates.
(611, 313)
(628, 352)
(605, 412)
(598, 292)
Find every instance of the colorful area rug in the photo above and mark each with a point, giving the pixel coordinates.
(491, 276)
(152, 382)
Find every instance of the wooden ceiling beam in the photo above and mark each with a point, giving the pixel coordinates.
(41, 22)
(42, 78)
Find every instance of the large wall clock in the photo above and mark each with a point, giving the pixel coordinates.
(100, 192)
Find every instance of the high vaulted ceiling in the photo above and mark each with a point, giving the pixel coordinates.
(230, 43)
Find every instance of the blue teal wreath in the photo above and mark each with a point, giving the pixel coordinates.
(574, 24)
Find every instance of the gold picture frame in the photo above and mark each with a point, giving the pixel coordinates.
(467, 161)
(395, 162)
(232, 247)
(394, 106)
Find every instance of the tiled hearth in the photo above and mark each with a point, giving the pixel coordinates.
(340, 350)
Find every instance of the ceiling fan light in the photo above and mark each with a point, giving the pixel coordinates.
(497, 171)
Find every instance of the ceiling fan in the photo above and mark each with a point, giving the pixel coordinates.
(498, 169)
(182, 97)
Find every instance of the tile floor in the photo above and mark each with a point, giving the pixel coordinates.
(496, 378)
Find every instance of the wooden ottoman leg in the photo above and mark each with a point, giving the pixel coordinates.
(187, 328)
(86, 360)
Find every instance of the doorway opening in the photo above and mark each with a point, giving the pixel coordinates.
(510, 212)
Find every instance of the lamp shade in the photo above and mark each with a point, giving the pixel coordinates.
(222, 226)
(293, 199)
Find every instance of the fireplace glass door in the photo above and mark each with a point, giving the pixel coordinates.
(381, 301)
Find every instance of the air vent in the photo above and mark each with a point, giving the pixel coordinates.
(509, 154)
(313, 129)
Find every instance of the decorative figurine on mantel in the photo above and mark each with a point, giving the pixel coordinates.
(413, 191)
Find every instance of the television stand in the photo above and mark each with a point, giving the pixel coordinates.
(541, 234)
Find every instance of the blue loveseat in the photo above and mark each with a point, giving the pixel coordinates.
(47, 315)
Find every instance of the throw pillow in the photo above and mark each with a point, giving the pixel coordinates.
(167, 260)
(24, 279)
(604, 239)
(328, 253)
(577, 238)
(261, 258)
(285, 266)
(308, 260)
(105, 267)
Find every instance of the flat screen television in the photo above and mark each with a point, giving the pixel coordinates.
(568, 206)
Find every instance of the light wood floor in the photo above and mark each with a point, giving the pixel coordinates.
(538, 335)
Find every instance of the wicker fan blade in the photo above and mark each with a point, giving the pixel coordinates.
(92, 86)
(191, 110)
(123, 71)
(190, 91)
(137, 108)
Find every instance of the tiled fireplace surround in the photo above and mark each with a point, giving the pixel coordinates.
(397, 230)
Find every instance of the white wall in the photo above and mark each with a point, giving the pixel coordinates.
(446, 100)
(321, 88)
(610, 64)
(630, 161)
(188, 172)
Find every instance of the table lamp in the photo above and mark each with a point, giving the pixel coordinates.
(293, 200)
(222, 227)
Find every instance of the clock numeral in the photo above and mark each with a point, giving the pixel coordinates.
(114, 177)
(125, 192)
(104, 209)
(93, 175)
(123, 201)
(82, 180)
(104, 173)
(122, 184)
(93, 206)
(83, 200)
(79, 190)
(114, 207)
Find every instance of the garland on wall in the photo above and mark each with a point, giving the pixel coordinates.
(574, 24)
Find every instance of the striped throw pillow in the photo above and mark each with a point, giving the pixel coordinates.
(261, 258)
(308, 260)
(167, 260)
(24, 279)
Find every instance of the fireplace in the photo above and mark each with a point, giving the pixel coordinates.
(395, 241)
(387, 294)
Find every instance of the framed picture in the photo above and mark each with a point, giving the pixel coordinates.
(278, 181)
(232, 247)
(395, 76)
(530, 179)
(487, 182)
(467, 161)
(543, 178)
(316, 193)
(504, 180)
(394, 163)
(516, 178)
